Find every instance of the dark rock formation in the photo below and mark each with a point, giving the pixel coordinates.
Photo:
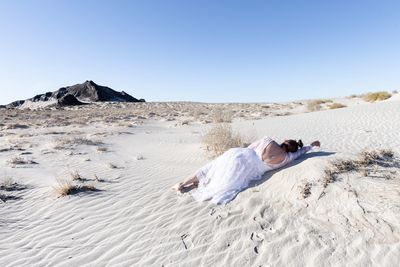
(69, 100)
(84, 92)
(15, 104)
(42, 97)
(90, 91)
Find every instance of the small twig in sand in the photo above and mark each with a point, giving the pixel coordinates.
(183, 239)
(98, 179)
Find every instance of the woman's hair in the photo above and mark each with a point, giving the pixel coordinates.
(291, 145)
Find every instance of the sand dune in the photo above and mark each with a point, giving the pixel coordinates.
(134, 219)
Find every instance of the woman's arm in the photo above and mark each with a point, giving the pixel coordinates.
(294, 155)
(301, 151)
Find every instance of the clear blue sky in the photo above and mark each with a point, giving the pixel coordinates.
(210, 51)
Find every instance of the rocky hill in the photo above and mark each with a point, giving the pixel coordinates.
(79, 94)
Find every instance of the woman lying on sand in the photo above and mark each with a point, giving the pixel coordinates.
(223, 178)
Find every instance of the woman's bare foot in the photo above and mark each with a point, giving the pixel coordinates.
(178, 187)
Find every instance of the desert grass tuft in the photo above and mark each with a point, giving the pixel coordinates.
(66, 187)
(14, 161)
(68, 142)
(102, 149)
(15, 126)
(353, 96)
(17, 161)
(315, 105)
(377, 157)
(377, 96)
(336, 105)
(7, 184)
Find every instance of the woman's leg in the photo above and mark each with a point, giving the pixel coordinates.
(191, 181)
(194, 180)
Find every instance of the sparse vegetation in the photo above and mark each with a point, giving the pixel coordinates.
(69, 142)
(14, 161)
(102, 149)
(220, 138)
(305, 191)
(75, 176)
(221, 115)
(15, 126)
(132, 114)
(377, 96)
(7, 185)
(336, 105)
(375, 157)
(367, 162)
(315, 105)
(353, 96)
(66, 187)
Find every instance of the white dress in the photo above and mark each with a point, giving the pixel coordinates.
(223, 178)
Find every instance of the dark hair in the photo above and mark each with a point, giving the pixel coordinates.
(292, 145)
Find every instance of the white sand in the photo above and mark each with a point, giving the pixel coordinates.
(136, 220)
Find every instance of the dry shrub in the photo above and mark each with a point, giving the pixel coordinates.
(66, 187)
(198, 113)
(322, 101)
(364, 163)
(375, 156)
(20, 161)
(220, 138)
(64, 143)
(8, 184)
(377, 96)
(17, 161)
(221, 115)
(353, 96)
(102, 149)
(315, 105)
(336, 105)
(15, 126)
(85, 141)
(63, 187)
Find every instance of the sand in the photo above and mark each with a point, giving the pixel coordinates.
(134, 219)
